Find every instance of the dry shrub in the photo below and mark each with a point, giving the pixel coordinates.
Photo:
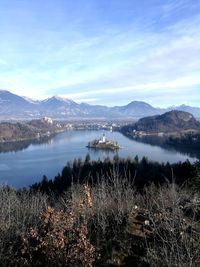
(176, 236)
(159, 227)
(33, 234)
(19, 210)
(59, 241)
(113, 198)
(82, 204)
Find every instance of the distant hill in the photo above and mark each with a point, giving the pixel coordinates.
(194, 110)
(172, 121)
(26, 130)
(137, 109)
(13, 106)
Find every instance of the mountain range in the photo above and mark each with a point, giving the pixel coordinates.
(13, 106)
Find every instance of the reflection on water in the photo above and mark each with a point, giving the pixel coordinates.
(21, 145)
(161, 142)
(24, 163)
(105, 153)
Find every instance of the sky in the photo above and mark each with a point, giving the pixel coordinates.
(107, 52)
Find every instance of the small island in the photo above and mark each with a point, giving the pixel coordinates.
(103, 143)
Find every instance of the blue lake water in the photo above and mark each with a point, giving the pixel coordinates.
(28, 165)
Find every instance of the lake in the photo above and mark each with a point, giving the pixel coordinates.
(31, 160)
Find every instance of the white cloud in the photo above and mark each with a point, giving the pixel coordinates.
(137, 59)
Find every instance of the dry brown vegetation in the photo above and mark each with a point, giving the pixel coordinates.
(107, 224)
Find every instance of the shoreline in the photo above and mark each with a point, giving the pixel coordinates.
(30, 138)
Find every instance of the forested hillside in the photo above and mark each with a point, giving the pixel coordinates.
(171, 122)
(17, 131)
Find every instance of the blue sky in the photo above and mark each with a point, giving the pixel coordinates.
(102, 51)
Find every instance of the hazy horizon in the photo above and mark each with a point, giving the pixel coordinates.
(81, 102)
(102, 52)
